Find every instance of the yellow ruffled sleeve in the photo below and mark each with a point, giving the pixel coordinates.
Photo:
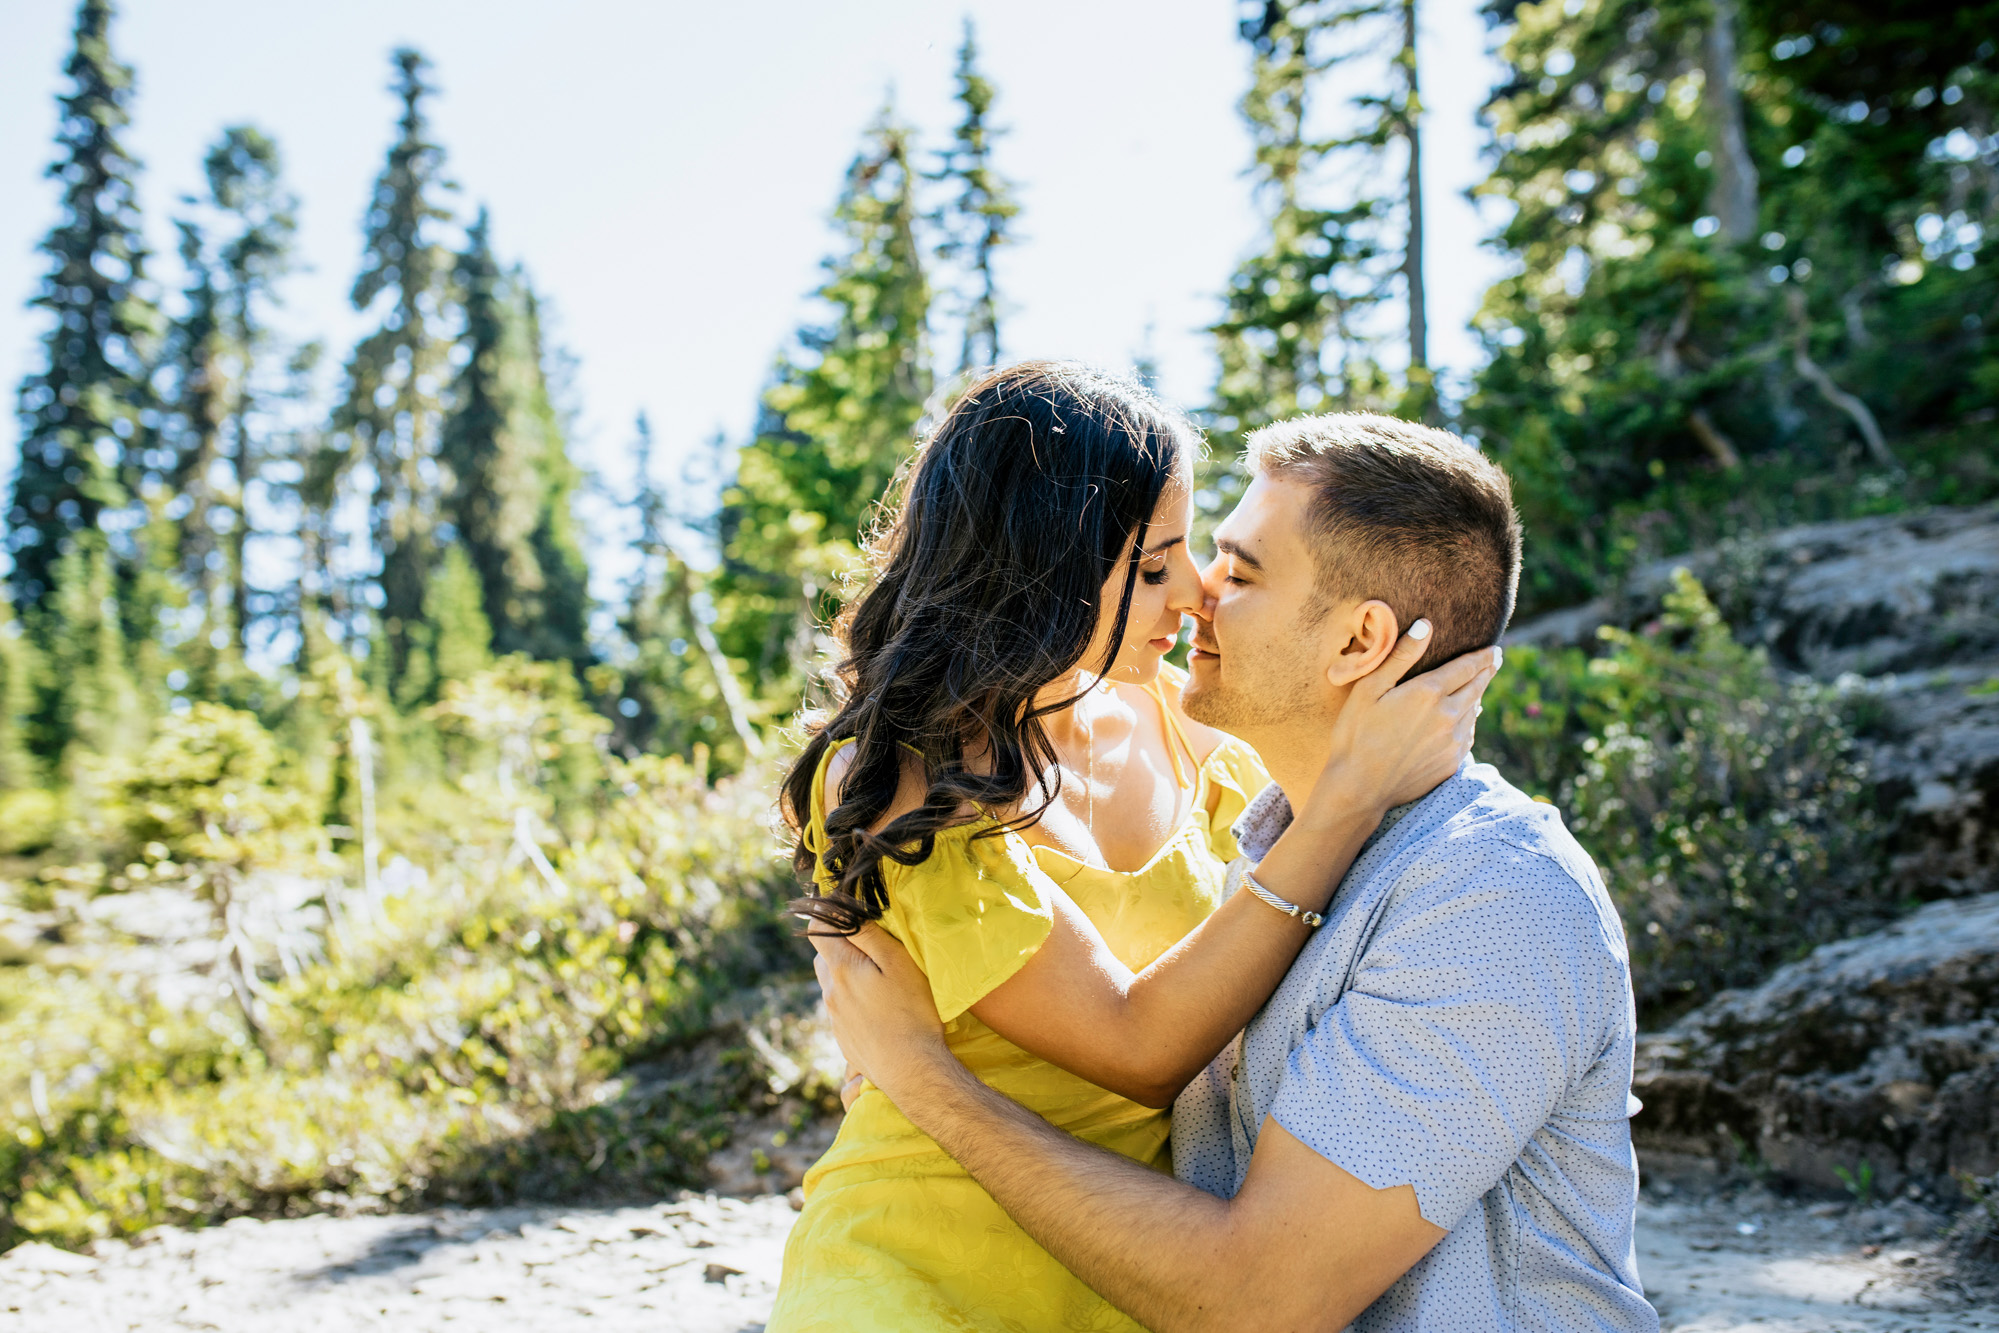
(1235, 776)
(971, 914)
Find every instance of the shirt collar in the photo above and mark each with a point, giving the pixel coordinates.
(1266, 818)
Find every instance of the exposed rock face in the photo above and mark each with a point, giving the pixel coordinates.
(1934, 751)
(1882, 1050)
(1870, 596)
(1903, 609)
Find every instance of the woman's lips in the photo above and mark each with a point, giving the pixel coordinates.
(1161, 645)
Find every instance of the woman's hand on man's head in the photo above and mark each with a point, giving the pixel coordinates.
(1395, 740)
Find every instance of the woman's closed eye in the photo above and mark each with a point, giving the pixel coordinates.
(1153, 568)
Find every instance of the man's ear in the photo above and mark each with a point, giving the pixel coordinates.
(1367, 634)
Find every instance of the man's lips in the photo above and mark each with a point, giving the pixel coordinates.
(1204, 650)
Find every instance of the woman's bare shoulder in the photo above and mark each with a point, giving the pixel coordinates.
(909, 791)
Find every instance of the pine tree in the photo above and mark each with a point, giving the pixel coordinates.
(392, 411)
(200, 394)
(246, 186)
(1610, 351)
(88, 701)
(490, 444)
(1299, 332)
(838, 421)
(976, 221)
(1404, 117)
(677, 689)
(460, 637)
(1713, 205)
(88, 414)
(20, 679)
(648, 682)
(562, 629)
(1635, 346)
(1881, 178)
(511, 477)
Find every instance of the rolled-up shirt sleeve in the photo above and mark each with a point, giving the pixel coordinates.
(1472, 1008)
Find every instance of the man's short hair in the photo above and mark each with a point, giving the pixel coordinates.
(1405, 513)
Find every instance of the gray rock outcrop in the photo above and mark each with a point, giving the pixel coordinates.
(1876, 1056)
(1869, 596)
(1902, 610)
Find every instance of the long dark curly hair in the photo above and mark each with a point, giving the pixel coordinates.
(988, 583)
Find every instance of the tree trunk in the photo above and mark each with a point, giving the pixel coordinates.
(725, 676)
(242, 465)
(1412, 253)
(1733, 199)
(1719, 446)
(1815, 375)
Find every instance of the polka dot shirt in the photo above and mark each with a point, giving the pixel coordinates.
(1462, 1023)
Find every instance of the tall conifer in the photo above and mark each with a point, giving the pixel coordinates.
(392, 410)
(511, 479)
(1300, 327)
(838, 421)
(658, 703)
(976, 220)
(79, 534)
(87, 414)
(1604, 138)
(20, 678)
(246, 187)
(199, 384)
(1712, 204)
(89, 702)
(678, 689)
(563, 626)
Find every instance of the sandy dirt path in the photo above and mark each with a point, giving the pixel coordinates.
(709, 1265)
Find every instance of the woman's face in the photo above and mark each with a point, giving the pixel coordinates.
(1168, 587)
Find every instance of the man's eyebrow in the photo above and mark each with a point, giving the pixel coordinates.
(1163, 547)
(1231, 547)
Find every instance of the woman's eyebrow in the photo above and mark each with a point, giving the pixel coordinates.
(1164, 546)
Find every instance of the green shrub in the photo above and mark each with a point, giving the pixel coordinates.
(29, 820)
(516, 1012)
(1724, 805)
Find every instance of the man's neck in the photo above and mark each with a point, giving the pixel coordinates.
(1294, 756)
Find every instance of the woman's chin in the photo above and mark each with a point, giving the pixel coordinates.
(1141, 672)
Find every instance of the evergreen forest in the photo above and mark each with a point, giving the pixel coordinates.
(358, 850)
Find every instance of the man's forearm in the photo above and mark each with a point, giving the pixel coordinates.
(1154, 1247)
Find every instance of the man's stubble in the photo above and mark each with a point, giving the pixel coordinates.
(1255, 690)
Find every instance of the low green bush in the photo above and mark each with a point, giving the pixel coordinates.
(232, 1022)
(1726, 806)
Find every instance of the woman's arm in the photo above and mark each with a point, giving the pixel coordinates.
(1145, 1035)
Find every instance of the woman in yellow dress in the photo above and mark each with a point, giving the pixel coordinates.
(1009, 788)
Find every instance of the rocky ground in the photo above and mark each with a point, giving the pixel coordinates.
(1722, 1260)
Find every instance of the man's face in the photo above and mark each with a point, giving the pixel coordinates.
(1263, 646)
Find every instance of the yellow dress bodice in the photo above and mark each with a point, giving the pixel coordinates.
(894, 1235)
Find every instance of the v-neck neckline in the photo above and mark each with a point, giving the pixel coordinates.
(1188, 821)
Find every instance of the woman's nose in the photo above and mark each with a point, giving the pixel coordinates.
(1187, 596)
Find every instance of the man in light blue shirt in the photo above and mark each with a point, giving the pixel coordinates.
(1461, 1023)
(1426, 1128)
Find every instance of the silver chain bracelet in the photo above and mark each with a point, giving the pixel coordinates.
(1239, 870)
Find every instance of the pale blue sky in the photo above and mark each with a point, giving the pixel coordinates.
(665, 170)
